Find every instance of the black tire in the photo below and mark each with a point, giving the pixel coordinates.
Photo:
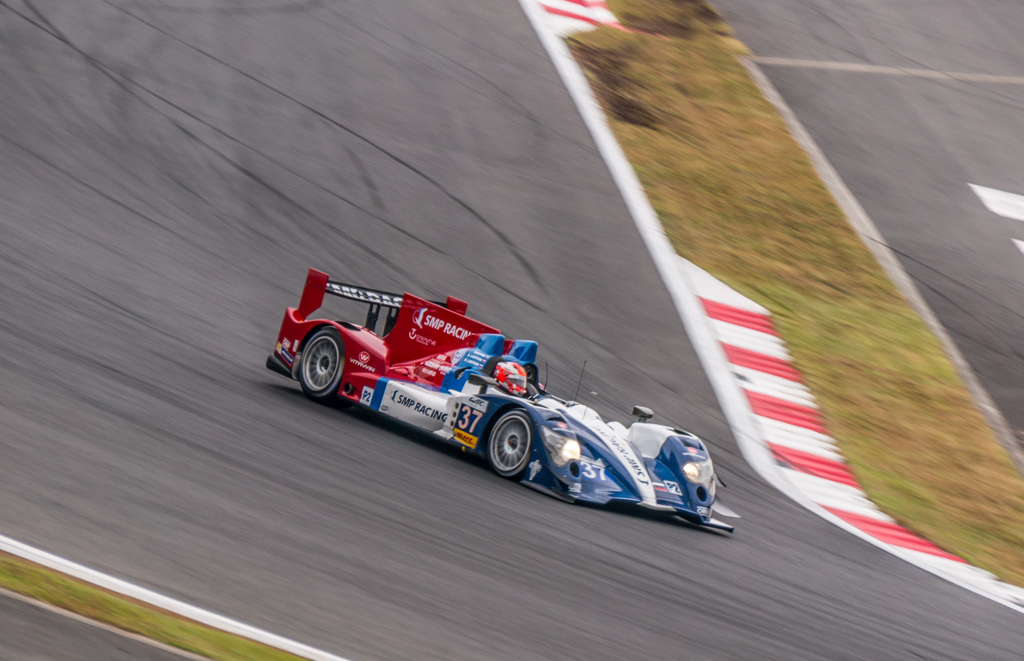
(509, 444)
(322, 365)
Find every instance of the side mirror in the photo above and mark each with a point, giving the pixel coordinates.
(643, 413)
(477, 379)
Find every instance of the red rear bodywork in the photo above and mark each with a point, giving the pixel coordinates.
(419, 336)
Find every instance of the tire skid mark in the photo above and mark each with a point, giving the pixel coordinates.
(528, 268)
(303, 6)
(508, 100)
(125, 84)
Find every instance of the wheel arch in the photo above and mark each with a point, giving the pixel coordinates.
(313, 329)
(498, 413)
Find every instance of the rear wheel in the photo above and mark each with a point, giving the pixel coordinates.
(509, 444)
(321, 367)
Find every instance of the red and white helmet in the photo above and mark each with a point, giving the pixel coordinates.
(511, 377)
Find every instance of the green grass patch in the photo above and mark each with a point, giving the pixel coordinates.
(53, 588)
(738, 197)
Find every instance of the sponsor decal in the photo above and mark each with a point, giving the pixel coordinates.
(367, 396)
(424, 320)
(593, 469)
(534, 468)
(437, 367)
(366, 295)
(673, 487)
(400, 398)
(285, 356)
(561, 425)
(422, 339)
(575, 489)
(364, 356)
(466, 439)
(426, 371)
(360, 363)
(286, 344)
(627, 456)
(659, 487)
(704, 511)
(477, 403)
(692, 450)
(471, 358)
(467, 418)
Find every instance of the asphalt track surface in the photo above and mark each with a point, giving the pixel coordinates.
(171, 170)
(908, 146)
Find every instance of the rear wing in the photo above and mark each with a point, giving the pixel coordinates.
(319, 283)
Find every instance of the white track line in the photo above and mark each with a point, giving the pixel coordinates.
(152, 598)
(856, 67)
(1007, 205)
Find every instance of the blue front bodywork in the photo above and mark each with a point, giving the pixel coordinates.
(600, 476)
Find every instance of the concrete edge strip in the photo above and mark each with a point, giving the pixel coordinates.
(686, 283)
(161, 601)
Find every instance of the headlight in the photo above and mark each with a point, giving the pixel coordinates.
(562, 445)
(699, 472)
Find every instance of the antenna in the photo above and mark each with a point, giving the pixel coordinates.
(576, 394)
(546, 376)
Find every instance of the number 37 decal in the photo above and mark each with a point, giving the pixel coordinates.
(467, 418)
(592, 471)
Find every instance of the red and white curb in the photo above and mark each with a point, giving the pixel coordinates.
(568, 16)
(792, 430)
(771, 412)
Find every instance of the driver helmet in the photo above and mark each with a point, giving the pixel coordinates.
(511, 377)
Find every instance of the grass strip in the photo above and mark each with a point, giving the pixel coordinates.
(738, 197)
(56, 589)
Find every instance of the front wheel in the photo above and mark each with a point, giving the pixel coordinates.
(509, 444)
(321, 367)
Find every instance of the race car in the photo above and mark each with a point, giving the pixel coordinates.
(427, 364)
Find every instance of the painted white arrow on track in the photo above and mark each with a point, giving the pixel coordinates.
(1008, 205)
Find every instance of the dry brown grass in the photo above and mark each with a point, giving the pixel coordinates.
(738, 197)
